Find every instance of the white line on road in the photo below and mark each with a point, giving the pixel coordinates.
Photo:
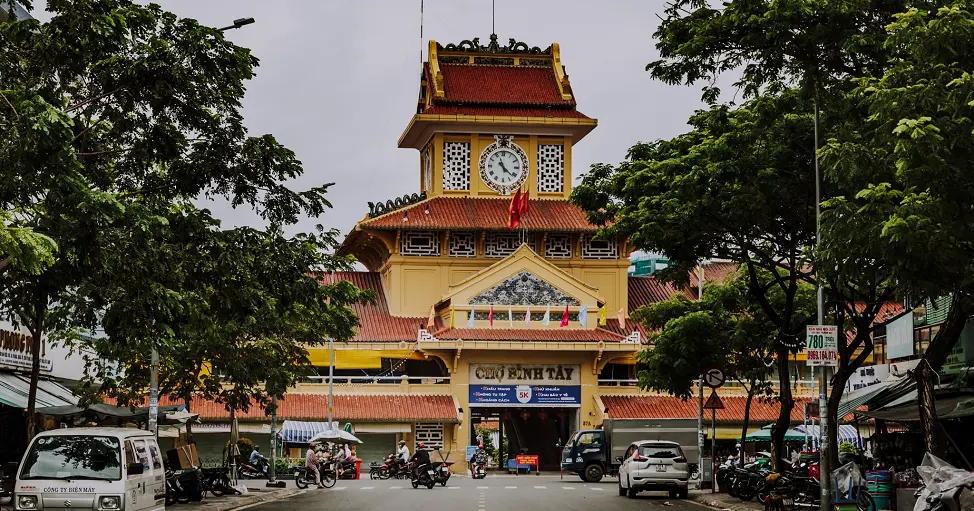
(339, 488)
(452, 487)
(567, 488)
(482, 487)
(510, 487)
(395, 487)
(368, 487)
(540, 487)
(598, 489)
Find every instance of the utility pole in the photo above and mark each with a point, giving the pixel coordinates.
(154, 394)
(272, 470)
(331, 379)
(823, 390)
(700, 433)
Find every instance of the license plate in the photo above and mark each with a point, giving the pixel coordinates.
(431, 472)
(661, 468)
(788, 502)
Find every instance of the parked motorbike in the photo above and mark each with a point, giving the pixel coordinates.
(216, 481)
(424, 475)
(183, 486)
(441, 471)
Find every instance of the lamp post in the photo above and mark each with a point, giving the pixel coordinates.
(237, 23)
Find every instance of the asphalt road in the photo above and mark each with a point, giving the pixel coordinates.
(500, 493)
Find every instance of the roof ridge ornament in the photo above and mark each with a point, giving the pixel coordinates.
(381, 208)
(513, 46)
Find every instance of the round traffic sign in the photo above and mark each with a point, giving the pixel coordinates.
(714, 378)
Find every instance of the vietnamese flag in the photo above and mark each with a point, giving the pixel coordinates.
(514, 212)
(564, 317)
(523, 206)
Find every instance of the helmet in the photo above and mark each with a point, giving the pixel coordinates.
(481, 446)
(402, 442)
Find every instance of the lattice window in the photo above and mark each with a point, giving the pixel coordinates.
(430, 434)
(599, 249)
(421, 244)
(428, 169)
(558, 246)
(551, 168)
(501, 244)
(456, 165)
(463, 244)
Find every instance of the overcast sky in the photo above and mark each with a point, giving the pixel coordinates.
(338, 81)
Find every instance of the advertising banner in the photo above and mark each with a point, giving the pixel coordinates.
(525, 395)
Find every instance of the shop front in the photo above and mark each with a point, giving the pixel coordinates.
(535, 405)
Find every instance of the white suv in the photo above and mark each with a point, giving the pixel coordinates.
(654, 465)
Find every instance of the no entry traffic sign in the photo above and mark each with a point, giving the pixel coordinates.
(714, 378)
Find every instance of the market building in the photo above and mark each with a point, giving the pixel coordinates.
(477, 322)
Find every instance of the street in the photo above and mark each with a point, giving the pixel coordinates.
(525, 493)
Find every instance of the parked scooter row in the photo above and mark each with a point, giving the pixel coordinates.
(757, 480)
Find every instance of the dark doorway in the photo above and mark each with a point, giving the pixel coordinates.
(540, 431)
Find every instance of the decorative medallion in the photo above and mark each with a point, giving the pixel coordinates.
(503, 165)
(524, 288)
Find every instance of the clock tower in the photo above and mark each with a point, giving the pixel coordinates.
(492, 119)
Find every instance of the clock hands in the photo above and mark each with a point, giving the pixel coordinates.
(501, 163)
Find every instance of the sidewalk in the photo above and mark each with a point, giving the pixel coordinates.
(724, 501)
(256, 495)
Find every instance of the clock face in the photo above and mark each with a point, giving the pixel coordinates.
(503, 165)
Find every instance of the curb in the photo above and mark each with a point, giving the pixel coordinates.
(244, 502)
(708, 500)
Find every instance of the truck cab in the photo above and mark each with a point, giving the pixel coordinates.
(586, 453)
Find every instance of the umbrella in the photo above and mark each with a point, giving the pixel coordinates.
(764, 435)
(339, 435)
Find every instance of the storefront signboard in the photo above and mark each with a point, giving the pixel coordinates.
(525, 395)
(820, 345)
(525, 374)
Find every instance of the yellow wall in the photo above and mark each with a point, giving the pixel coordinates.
(479, 142)
(414, 284)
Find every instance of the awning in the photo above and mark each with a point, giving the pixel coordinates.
(14, 389)
(167, 414)
(847, 433)
(300, 432)
(958, 405)
(359, 359)
(853, 400)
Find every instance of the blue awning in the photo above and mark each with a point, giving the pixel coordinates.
(300, 432)
(847, 433)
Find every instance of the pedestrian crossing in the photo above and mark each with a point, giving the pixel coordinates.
(454, 487)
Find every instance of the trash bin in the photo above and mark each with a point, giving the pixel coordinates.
(358, 468)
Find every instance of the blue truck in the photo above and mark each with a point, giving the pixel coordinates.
(595, 453)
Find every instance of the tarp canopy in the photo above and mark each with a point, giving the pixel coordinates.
(764, 435)
(847, 433)
(14, 389)
(948, 407)
(167, 414)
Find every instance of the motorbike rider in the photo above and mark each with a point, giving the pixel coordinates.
(402, 455)
(311, 463)
(256, 457)
(420, 459)
(480, 456)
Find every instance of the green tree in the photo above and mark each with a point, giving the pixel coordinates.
(913, 160)
(725, 329)
(736, 187)
(127, 109)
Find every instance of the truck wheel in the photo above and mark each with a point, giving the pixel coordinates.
(684, 493)
(593, 473)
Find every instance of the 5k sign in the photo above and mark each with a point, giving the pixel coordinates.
(820, 345)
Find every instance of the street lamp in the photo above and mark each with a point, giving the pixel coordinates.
(237, 23)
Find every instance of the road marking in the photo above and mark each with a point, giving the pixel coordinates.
(395, 487)
(510, 487)
(255, 504)
(368, 487)
(452, 487)
(339, 488)
(597, 489)
(567, 488)
(482, 487)
(540, 487)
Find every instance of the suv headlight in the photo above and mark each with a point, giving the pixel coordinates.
(27, 502)
(110, 502)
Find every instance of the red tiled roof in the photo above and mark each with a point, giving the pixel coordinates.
(504, 111)
(529, 334)
(716, 271)
(648, 290)
(377, 323)
(366, 408)
(500, 85)
(483, 213)
(669, 407)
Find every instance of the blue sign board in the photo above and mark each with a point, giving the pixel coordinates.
(471, 450)
(525, 395)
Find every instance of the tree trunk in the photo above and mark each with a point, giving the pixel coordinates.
(747, 414)
(839, 381)
(787, 403)
(926, 371)
(37, 334)
(187, 399)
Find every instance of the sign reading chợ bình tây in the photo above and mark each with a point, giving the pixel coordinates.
(502, 385)
(820, 345)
